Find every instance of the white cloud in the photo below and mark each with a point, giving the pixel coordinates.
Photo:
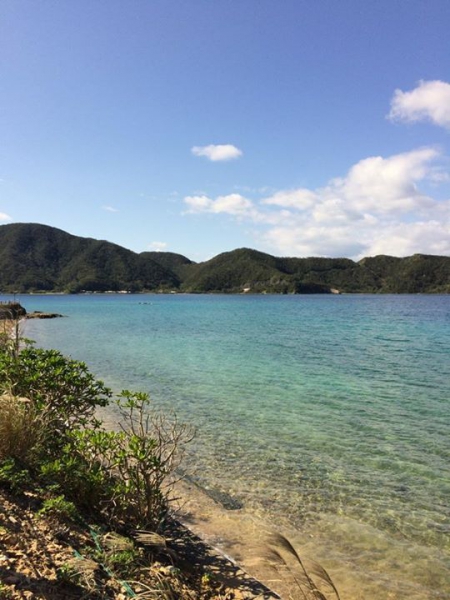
(198, 204)
(429, 101)
(377, 207)
(232, 204)
(387, 185)
(301, 198)
(4, 217)
(110, 209)
(404, 239)
(217, 152)
(157, 246)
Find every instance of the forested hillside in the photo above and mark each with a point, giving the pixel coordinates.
(38, 258)
(41, 258)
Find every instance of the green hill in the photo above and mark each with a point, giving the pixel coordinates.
(233, 272)
(39, 258)
(174, 262)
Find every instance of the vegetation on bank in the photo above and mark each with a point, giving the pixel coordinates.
(38, 258)
(87, 509)
(56, 452)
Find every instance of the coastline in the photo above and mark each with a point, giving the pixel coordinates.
(60, 539)
(222, 535)
(238, 535)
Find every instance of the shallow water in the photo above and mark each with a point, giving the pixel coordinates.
(327, 414)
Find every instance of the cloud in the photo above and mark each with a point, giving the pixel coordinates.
(387, 185)
(232, 204)
(110, 209)
(301, 198)
(219, 152)
(404, 239)
(313, 240)
(5, 217)
(157, 246)
(378, 206)
(429, 101)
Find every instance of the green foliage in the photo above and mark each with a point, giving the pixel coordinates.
(48, 427)
(176, 263)
(59, 507)
(84, 481)
(59, 389)
(232, 272)
(124, 563)
(13, 475)
(67, 573)
(245, 269)
(137, 464)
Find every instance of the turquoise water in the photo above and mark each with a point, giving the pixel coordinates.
(327, 414)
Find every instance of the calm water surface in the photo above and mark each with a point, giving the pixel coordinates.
(330, 414)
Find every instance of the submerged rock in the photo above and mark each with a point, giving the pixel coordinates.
(37, 314)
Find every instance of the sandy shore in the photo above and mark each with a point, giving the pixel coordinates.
(244, 538)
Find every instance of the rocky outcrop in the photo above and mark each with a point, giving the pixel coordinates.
(37, 314)
(11, 310)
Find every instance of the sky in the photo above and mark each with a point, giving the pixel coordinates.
(295, 127)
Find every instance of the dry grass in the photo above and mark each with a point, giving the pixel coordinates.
(311, 581)
(20, 428)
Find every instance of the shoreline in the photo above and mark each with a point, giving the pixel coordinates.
(238, 535)
(222, 527)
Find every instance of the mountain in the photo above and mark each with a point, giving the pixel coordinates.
(233, 272)
(39, 258)
(174, 262)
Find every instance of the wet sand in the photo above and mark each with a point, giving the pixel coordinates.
(243, 538)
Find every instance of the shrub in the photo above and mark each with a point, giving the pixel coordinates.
(139, 463)
(60, 386)
(45, 397)
(59, 507)
(13, 475)
(48, 425)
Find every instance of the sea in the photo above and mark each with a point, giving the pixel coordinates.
(326, 415)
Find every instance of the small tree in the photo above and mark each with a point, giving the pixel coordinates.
(140, 462)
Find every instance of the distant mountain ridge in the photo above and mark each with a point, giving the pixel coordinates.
(40, 258)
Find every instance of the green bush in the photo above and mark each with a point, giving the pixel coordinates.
(138, 464)
(13, 475)
(60, 507)
(59, 386)
(48, 426)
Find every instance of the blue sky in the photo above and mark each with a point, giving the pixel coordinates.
(294, 127)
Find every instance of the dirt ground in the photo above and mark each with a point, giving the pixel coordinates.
(44, 557)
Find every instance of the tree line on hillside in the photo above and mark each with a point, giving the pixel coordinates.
(39, 258)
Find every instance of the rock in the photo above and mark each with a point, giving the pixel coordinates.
(37, 314)
(11, 310)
